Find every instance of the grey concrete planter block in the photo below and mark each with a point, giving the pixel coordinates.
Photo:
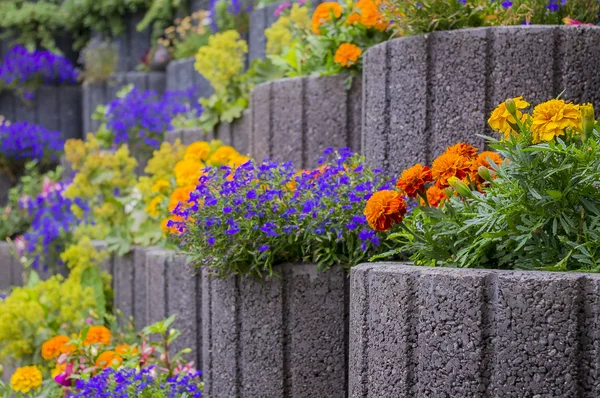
(132, 45)
(103, 93)
(6, 183)
(260, 19)
(438, 332)
(187, 136)
(426, 92)
(57, 108)
(11, 271)
(155, 277)
(297, 119)
(181, 75)
(279, 338)
(236, 133)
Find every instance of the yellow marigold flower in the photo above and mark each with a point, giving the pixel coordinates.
(97, 335)
(187, 172)
(552, 118)
(26, 379)
(126, 350)
(367, 13)
(322, 14)
(160, 185)
(58, 369)
(55, 346)
(347, 54)
(222, 156)
(237, 161)
(501, 119)
(109, 359)
(197, 151)
(152, 207)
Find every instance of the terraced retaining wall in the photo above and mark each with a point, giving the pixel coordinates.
(57, 108)
(278, 338)
(10, 269)
(297, 119)
(181, 75)
(426, 92)
(439, 332)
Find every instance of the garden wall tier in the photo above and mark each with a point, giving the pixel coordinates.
(260, 19)
(152, 283)
(438, 332)
(284, 337)
(297, 119)
(426, 92)
(11, 271)
(103, 93)
(57, 108)
(181, 75)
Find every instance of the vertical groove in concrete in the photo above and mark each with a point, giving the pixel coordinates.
(468, 72)
(286, 373)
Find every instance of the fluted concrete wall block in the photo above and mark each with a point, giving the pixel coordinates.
(156, 280)
(123, 276)
(418, 331)
(103, 93)
(283, 337)
(297, 119)
(424, 93)
(236, 133)
(57, 108)
(260, 19)
(11, 271)
(181, 75)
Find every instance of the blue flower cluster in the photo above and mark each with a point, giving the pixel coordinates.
(27, 141)
(263, 214)
(52, 218)
(142, 117)
(21, 66)
(126, 382)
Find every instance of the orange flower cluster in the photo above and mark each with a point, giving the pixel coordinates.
(459, 162)
(56, 346)
(323, 13)
(347, 54)
(97, 335)
(366, 12)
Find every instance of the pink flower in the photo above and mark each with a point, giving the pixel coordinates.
(185, 369)
(282, 7)
(20, 244)
(574, 22)
(7, 211)
(64, 378)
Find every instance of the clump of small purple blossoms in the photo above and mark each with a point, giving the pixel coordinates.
(23, 141)
(126, 382)
(141, 118)
(246, 220)
(25, 69)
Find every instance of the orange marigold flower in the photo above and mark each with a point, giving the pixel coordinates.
(56, 346)
(463, 149)
(126, 349)
(97, 335)
(347, 54)
(367, 14)
(449, 165)
(482, 159)
(180, 195)
(414, 179)
(322, 14)
(435, 196)
(385, 208)
(108, 359)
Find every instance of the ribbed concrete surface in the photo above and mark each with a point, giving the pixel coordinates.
(437, 332)
(281, 338)
(426, 92)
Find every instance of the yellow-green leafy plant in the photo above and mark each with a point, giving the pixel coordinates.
(32, 314)
(280, 34)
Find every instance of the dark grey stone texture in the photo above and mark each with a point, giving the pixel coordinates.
(183, 290)
(103, 93)
(260, 19)
(439, 332)
(236, 133)
(11, 271)
(123, 279)
(187, 135)
(426, 92)
(6, 183)
(181, 75)
(140, 292)
(57, 108)
(297, 119)
(278, 338)
(132, 45)
(156, 279)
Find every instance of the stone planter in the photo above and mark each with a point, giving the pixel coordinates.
(297, 119)
(103, 93)
(181, 75)
(260, 19)
(57, 108)
(279, 338)
(426, 92)
(131, 45)
(188, 135)
(11, 271)
(439, 332)
(152, 283)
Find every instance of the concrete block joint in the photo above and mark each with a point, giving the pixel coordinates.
(440, 332)
(426, 92)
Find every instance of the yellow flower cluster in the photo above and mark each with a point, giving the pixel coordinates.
(26, 379)
(183, 27)
(279, 35)
(222, 59)
(549, 119)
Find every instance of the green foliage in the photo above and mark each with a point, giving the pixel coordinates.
(416, 16)
(99, 62)
(540, 210)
